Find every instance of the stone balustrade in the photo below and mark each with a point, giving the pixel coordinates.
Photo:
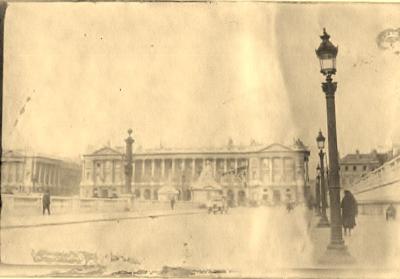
(379, 188)
(18, 205)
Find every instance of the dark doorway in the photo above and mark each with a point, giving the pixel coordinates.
(242, 198)
(277, 196)
(231, 198)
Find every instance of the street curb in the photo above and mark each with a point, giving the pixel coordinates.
(99, 220)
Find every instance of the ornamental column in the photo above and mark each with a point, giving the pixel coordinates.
(128, 164)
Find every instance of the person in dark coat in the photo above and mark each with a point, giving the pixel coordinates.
(172, 203)
(391, 212)
(46, 202)
(349, 212)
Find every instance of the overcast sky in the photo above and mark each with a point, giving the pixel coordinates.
(195, 74)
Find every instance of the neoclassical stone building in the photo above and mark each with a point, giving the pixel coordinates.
(33, 173)
(262, 173)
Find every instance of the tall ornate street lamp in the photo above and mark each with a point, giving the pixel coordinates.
(317, 194)
(128, 166)
(336, 251)
(323, 221)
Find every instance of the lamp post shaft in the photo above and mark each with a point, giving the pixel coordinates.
(317, 196)
(329, 89)
(324, 219)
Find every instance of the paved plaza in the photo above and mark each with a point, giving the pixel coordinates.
(249, 241)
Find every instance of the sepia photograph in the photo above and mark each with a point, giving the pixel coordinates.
(200, 139)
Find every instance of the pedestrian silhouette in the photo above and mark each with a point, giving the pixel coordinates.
(390, 212)
(349, 212)
(46, 202)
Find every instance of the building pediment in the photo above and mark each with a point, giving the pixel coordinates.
(276, 147)
(106, 151)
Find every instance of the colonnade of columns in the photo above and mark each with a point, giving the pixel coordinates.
(156, 169)
(46, 174)
(278, 169)
(12, 173)
(30, 174)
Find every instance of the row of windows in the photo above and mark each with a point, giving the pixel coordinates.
(355, 168)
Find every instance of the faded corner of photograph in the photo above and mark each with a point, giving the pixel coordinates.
(193, 139)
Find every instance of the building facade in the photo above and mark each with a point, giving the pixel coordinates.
(269, 174)
(354, 166)
(23, 173)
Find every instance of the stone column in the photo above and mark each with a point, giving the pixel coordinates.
(236, 165)
(162, 169)
(59, 177)
(33, 174)
(39, 175)
(48, 169)
(152, 168)
(183, 165)
(94, 172)
(55, 176)
(44, 170)
(113, 171)
(16, 173)
(104, 167)
(215, 167)
(172, 169)
(52, 175)
(143, 170)
(193, 168)
(284, 168)
(271, 169)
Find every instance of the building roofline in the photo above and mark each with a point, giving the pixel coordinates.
(201, 151)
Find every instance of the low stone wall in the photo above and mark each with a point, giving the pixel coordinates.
(142, 205)
(32, 205)
(376, 207)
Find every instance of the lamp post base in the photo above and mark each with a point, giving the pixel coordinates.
(337, 254)
(323, 222)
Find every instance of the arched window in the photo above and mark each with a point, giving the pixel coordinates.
(147, 194)
(137, 193)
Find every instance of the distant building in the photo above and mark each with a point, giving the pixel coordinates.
(266, 173)
(354, 166)
(33, 173)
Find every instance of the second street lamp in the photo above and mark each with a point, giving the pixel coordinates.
(317, 194)
(336, 252)
(323, 221)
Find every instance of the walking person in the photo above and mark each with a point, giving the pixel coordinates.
(390, 212)
(172, 203)
(46, 202)
(349, 212)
